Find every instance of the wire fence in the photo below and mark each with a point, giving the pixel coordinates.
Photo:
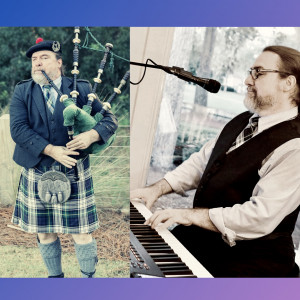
(110, 172)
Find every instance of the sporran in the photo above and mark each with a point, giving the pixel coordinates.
(54, 187)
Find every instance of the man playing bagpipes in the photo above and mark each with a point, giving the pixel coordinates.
(50, 198)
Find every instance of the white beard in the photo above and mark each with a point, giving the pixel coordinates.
(39, 78)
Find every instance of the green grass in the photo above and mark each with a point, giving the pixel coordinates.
(110, 170)
(21, 262)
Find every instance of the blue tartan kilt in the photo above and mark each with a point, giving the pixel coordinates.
(77, 215)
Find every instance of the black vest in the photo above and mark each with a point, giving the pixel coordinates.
(230, 179)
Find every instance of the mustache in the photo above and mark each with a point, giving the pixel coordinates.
(251, 89)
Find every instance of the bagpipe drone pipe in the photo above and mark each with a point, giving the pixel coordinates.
(79, 120)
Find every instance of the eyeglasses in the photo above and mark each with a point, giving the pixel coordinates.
(256, 72)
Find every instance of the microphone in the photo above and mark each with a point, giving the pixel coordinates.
(210, 85)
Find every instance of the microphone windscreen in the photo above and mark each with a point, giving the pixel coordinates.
(213, 86)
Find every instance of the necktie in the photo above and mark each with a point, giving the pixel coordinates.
(246, 134)
(48, 97)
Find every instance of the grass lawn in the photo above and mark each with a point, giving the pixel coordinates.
(21, 262)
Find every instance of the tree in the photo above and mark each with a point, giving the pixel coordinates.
(15, 66)
(228, 57)
(203, 54)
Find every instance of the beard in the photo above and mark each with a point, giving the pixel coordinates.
(256, 104)
(39, 78)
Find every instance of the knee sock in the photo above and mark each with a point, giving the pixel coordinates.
(51, 254)
(87, 258)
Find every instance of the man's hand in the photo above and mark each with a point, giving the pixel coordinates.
(167, 217)
(61, 154)
(151, 193)
(187, 216)
(147, 194)
(83, 140)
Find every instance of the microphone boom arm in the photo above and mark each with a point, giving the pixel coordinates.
(210, 85)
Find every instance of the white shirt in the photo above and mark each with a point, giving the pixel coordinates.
(276, 194)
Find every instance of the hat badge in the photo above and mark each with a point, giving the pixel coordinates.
(55, 46)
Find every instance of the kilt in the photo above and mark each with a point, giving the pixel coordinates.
(76, 215)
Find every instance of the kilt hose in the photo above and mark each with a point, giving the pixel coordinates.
(77, 215)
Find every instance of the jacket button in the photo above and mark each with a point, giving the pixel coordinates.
(31, 143)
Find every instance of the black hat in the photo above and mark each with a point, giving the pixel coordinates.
(40, 44)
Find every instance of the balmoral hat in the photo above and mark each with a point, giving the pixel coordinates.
(40, 44)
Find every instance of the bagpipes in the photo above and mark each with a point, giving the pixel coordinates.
(79, 120)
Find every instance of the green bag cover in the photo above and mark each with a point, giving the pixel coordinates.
(82, 122)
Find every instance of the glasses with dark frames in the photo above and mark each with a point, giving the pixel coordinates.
(256, 72)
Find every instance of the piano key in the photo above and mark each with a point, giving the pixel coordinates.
(178, 272)
(180, 276)
(165, 258)
(173, 266)
(194, 265)
(158, 250)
